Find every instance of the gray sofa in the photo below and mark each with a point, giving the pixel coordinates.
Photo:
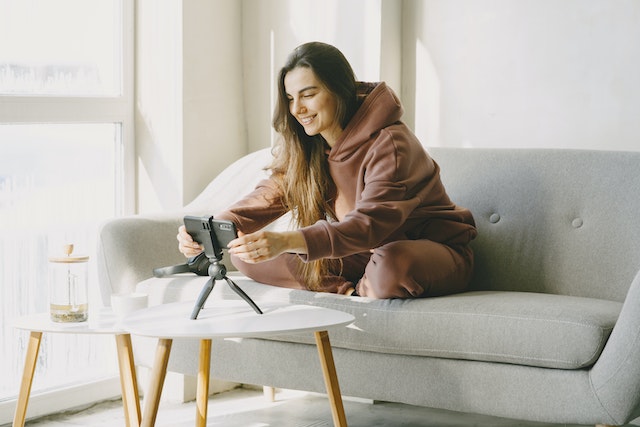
(550, 330)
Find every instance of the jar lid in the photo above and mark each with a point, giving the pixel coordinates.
(68, 249)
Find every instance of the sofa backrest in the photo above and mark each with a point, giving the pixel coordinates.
(553, 221)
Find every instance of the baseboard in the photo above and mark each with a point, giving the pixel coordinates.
(63, 399)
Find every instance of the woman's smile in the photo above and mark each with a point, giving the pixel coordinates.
(305, 120)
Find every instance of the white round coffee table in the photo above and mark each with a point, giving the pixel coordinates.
(101, 321)
(230, 318)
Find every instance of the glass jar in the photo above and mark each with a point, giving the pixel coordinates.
(68, 287)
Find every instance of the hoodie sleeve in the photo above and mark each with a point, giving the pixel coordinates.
(257, 209)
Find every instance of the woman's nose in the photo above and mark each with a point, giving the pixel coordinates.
(298, 107)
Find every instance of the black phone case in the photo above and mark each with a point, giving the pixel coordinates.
(213, 234)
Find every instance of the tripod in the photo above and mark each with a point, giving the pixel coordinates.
(218, 271)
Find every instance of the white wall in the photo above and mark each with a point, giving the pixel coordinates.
(158, 106)
(214, 132)
(189, 97)
(527, 73)
(477, 73)
(206, 72)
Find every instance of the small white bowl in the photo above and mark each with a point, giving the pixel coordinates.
(126, 303)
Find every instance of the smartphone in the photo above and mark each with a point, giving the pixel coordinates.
(213, 234)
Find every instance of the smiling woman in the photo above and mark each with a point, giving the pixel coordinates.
(372, 216)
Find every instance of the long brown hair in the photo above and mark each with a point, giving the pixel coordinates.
(300, 165)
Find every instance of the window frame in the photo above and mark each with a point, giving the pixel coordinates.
(52, 109)
(55, 109)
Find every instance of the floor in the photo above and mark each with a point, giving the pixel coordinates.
(249, 408)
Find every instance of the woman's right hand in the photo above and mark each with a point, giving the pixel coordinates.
(186, 244)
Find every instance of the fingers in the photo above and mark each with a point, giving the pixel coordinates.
(255, 256)
(186, 244)
(251, 248)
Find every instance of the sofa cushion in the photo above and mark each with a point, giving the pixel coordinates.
(544, 330)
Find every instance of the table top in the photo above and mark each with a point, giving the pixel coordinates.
(101, 321)
(232, 318)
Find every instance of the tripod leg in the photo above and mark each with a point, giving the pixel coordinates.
(204, 294)
(244, 296)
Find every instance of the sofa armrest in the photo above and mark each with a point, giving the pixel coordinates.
(129, 248)
(615, 377)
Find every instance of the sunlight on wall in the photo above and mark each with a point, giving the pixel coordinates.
(159, 105)
(354, 27)
(427, 98)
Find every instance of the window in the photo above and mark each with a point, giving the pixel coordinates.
(66, 165)
(46, 50)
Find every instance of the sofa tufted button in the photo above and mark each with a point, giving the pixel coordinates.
(577, 223)
(494, 218)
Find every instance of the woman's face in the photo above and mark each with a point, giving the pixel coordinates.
(312, 104)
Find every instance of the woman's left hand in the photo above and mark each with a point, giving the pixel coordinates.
(265, 245)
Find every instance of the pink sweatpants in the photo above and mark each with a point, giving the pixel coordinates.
(400, 269)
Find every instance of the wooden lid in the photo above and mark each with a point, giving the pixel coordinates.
(68, 250)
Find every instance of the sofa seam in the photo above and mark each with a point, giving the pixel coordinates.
(595, 389)
(595, 394)
(460, 353)
(541, 319)
(341, 344)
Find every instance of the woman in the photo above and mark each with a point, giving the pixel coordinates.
(373, 216)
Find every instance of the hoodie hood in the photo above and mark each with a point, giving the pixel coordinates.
(379, 108)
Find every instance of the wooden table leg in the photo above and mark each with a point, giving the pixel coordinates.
(27, 378)
(158, 373)
(330, 378)
(128, 380)
(202, 391)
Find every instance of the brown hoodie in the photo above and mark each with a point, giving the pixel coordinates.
(388, 188)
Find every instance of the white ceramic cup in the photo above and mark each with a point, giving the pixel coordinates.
(126, 303)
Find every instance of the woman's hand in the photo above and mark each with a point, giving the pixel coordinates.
(186, 245)
(265, 245)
